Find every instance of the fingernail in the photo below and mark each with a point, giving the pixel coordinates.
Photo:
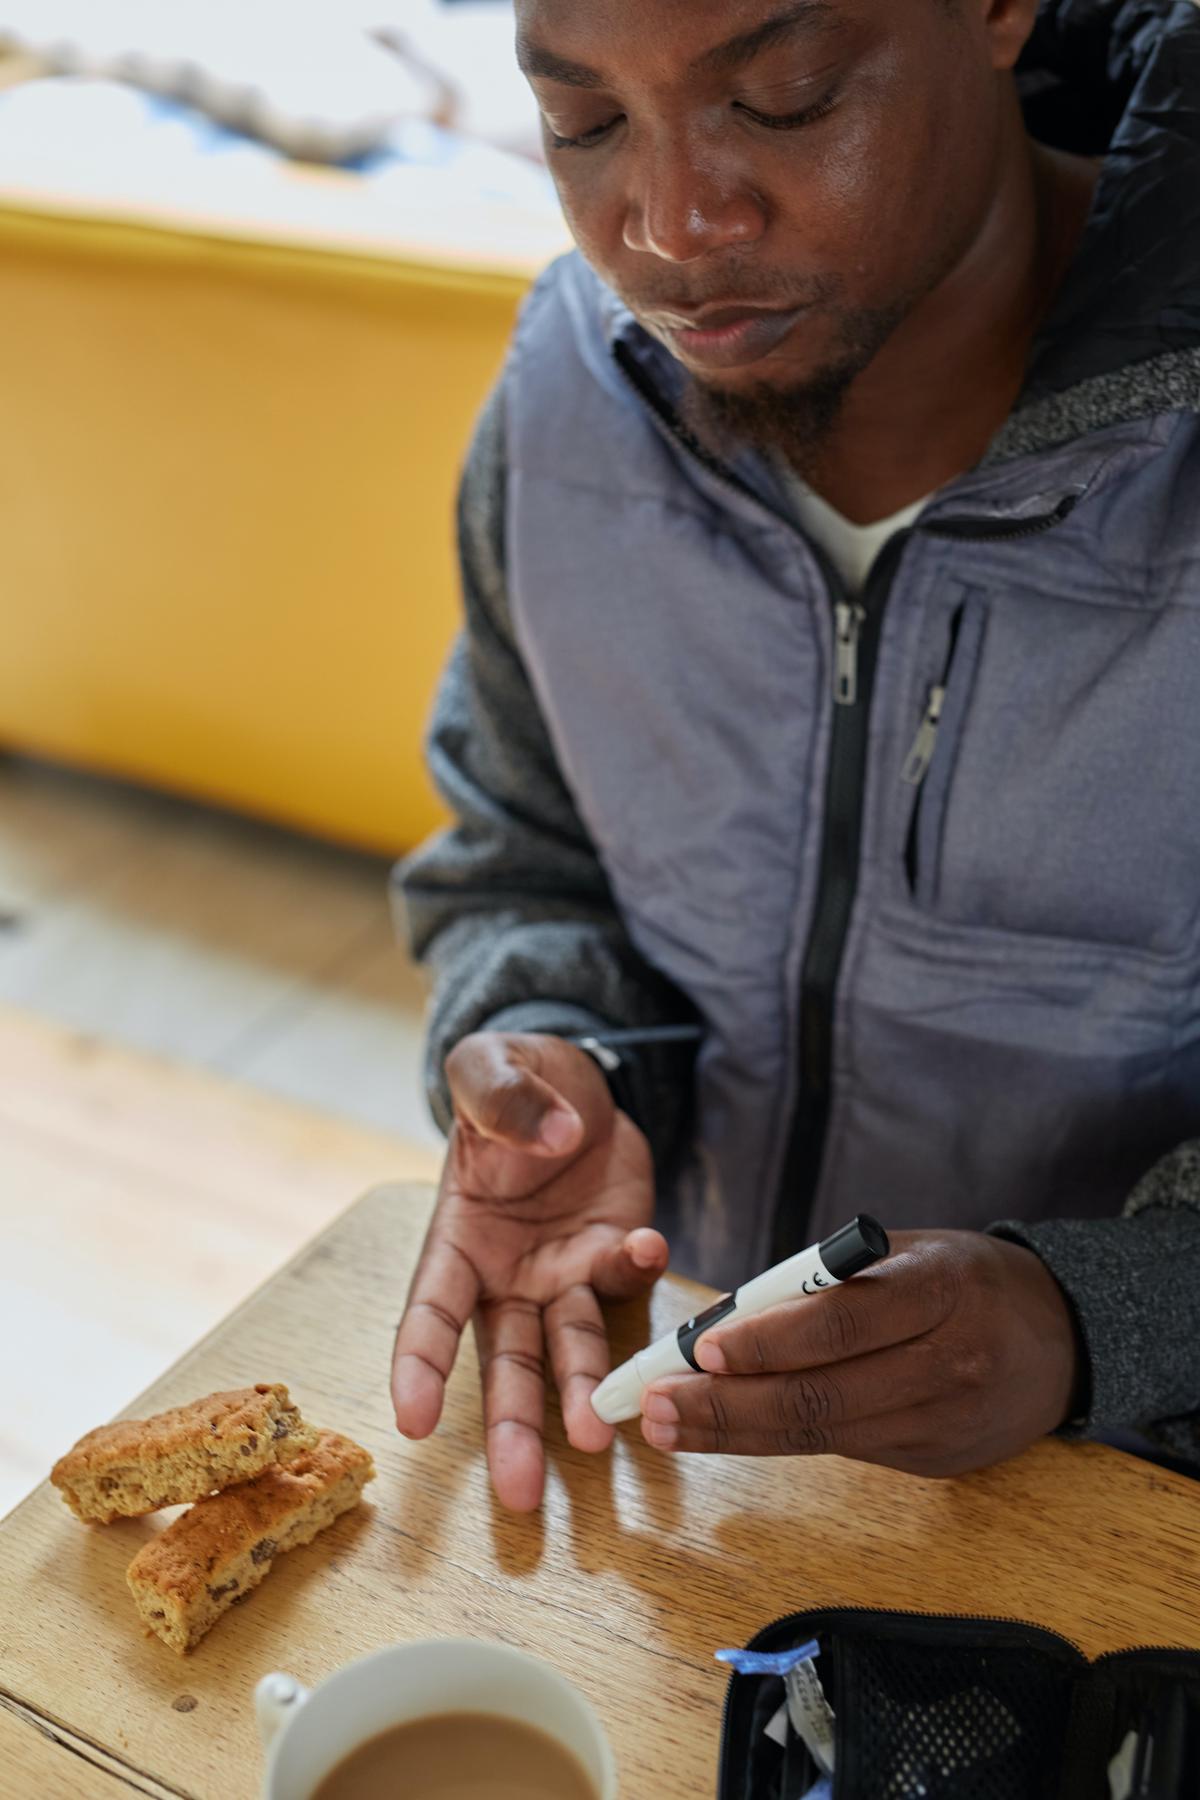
(660, 1409)
(642, 1254)
(710, 1356)
(559, 1130)
(662, 1437)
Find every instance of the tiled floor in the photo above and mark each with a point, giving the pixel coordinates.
(209, 1044)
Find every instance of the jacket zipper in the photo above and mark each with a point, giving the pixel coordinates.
(858, 631)
(857, 627)
(849, 619)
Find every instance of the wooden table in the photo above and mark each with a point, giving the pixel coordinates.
(638, 1567)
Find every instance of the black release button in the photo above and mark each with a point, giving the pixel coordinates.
(687, 1334)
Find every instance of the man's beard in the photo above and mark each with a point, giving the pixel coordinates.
(793, 422)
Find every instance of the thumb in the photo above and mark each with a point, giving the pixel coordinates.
(631, 1266)
(560, 1129)
(501, 1099)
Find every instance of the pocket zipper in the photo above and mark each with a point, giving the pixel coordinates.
(916, 763)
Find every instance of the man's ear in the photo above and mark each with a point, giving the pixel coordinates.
(1007, 24)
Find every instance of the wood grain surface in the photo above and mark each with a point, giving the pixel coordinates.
(41, 1761)
(637, 1568)
(139, 1201)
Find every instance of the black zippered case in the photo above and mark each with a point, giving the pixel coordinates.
(945, 1708)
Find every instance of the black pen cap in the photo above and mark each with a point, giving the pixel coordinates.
(856, 1246)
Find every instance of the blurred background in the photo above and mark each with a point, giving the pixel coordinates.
(259, 260)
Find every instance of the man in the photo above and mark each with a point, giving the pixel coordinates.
(823, 738)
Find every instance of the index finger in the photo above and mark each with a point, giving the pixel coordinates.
(901, 1299)
(442, 1298)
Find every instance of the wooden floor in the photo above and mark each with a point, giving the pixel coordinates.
(209, 1045)
(210, 939)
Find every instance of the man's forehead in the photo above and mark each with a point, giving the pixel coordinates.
(596, 34)
(707, 18)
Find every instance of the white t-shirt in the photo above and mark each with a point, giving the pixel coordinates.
(851, 548)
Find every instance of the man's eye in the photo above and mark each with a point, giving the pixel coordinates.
(585, 139)
(791, 121)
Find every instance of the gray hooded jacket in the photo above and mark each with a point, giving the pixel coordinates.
(952, 987)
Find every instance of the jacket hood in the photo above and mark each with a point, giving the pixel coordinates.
(1118, 79)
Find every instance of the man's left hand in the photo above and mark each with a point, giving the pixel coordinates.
(954, 1353)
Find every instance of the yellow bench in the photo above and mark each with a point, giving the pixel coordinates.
(226, 509)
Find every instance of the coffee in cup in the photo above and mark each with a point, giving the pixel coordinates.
(459, 1756)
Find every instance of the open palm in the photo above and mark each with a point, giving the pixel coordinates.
(526, 1242)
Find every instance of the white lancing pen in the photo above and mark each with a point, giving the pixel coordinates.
(834, 1260)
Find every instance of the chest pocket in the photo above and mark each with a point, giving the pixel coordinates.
(1054, 781)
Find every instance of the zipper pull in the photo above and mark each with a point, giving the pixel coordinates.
(916, 765)
(849, 622)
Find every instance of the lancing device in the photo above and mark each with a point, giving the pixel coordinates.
(856, 1246)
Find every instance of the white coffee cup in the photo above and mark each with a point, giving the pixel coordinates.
(305, 1734)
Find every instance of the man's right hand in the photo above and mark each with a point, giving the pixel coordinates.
(544, 1209)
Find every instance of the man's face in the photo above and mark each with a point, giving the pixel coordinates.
(769, 185)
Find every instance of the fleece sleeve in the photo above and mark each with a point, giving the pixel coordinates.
(1134, 1285)
(509, 907)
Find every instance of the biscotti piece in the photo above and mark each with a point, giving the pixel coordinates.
(216, 1554)
(138, 1465)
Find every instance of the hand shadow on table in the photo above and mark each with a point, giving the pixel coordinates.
(421, 1492)
(590, 1482)
(653, 1546)
(430, 1480)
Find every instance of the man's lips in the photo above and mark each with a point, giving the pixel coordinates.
(725, 337)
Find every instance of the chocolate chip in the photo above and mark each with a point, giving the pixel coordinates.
(158, 1615)
(281, 1428)
(263, 1551)
(218, 1593)
(241, 1599)
(246, 1450)
(253, 1440)
(107, 1484)
(185, 1703)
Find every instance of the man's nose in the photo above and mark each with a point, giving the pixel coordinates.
(684, 205)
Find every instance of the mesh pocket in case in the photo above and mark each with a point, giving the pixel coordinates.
(935, 1708)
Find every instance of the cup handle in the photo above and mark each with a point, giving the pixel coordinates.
(276, 1698)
